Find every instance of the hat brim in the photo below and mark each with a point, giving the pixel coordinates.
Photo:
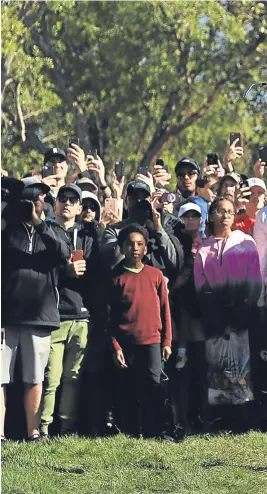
(88, 187)
(44, 188)
(132, 189)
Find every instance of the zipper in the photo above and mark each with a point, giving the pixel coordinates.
(30, 237)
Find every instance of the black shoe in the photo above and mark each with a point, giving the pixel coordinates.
(34, 438)
(3, 439)
(135, 436)
(165, 437)
(44, 435)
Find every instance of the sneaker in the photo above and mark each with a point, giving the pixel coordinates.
(3, 439)
(34, 438)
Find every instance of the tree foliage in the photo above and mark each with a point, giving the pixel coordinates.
(133, 79)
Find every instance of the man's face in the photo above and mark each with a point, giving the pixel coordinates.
(228, 187)
(68, 205)
(134, 247)
(257, 197)
(61, 167)
(186, 179)
(89, 210)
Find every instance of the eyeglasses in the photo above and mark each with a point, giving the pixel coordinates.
(72, 200)
(89, 205)
(221, 212)
(189, 173)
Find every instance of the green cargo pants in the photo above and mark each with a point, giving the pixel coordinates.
(67, 352)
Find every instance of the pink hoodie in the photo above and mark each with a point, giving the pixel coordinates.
(229, 269)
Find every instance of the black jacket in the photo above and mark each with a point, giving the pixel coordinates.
(30, 260)
(76, 294)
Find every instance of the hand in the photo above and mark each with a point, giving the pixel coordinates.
(76, 155)
(77, 268)
(166, 352)
(213, 170)
(242, 196)
(160, 176)
(232, 154)
(156, 219)
(97, 165)
(35, 220)
(156, 204)
(108, 218)
(263, 355)
(51, 181)
(4, 173)
(220, 172)
(119, 359)
(118, 186)
(259, 168)
(147, 180)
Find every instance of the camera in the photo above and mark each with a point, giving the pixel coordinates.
(16, 202)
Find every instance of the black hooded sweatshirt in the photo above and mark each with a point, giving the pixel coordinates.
(30, 260)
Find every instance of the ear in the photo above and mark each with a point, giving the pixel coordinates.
(79, 210)
(145, 251)
(201, 220)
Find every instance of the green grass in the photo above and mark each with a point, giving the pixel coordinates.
(210, 465)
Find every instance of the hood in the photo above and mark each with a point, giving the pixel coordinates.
(89, 195)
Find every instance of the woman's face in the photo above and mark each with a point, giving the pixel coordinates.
(224, 215)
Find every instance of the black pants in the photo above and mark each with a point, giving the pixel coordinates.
(188, 385)
(140, 398)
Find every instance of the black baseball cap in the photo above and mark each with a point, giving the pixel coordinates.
(132, 186)
(73, 188)
(187, 163)
(51, 152)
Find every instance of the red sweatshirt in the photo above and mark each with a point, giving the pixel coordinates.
(139, 308)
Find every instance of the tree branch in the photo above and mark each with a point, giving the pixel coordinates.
(19, 113)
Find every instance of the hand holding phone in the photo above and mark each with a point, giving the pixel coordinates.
(143, 170)
(93, 152)
(235, 136)
(74, 140)
(263, 154)
(212, 159)
(119, 169)
(77, 255)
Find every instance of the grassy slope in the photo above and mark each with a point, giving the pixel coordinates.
(210, 465)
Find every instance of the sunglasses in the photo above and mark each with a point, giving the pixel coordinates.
(72, 200)
(89, 205)
(191, 215)
(190, 173)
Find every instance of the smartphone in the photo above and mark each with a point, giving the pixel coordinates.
(47, 171)
(119, 169)
(77, 255)
(93, 152)
(234, 136)
(74, 140)
(212, 159)
(169, 197)
(143, 170)
(263, 153)
(160, 162)
(111, 204)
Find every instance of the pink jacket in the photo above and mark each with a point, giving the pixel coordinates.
(229, 268)
(260, 236)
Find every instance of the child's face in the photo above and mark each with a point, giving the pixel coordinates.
(134, 247)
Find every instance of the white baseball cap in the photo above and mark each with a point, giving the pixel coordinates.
(252, 182)
(189, 206)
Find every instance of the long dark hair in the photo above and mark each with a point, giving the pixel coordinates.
(214, 205)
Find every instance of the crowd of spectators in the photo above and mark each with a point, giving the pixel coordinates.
(149, 301)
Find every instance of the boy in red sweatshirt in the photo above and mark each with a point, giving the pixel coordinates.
(140, 327)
